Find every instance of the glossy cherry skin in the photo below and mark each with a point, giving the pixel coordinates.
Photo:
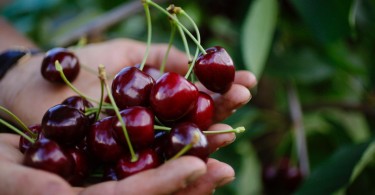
(80, 104)
(182, 135)
(81, 166)
(25, 144)
(172, 97)
(101, 142)
(47, 155)
(139, 122)
(215, 70)
(64, 124)
(109, 174)
(147, 159)
(160, 144)
(131, 87)
(202, 113)
(152, 71)
(69, 62)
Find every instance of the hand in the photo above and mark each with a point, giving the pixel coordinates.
(185, 175)
(28, 95)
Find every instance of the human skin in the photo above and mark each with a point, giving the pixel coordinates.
(28, 95)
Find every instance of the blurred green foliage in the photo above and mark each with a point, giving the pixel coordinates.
(325, 49)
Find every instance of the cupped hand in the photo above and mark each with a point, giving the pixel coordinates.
(184, 175)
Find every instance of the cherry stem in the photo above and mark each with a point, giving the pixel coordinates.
(149, 32)
(235, 130)
(192, 62)
(103, 76)
(195, 139)
(17, 131)
(171, 38)
(184, 41)
(101, 99)
(18, 120)
(59, 68)
(179, 23)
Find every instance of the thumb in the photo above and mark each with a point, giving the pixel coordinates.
(166, 179)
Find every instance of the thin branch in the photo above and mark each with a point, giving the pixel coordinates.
(103, 22)
(299, 129)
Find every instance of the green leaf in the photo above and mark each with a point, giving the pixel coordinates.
(335, 172)
(257, 34)
(328, 20)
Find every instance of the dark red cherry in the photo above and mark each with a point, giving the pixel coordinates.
(47, 155)
(203, 112)
(160, 144)
(81, 167)
(131, 87)
(147, 159)
(25, 144)
(281, 177)
(109, 174)
(101, 143)
(80, 104)
(181, 135)
(109, 112)
(172, 97)
(64, 124)
(215, 70)
(139, 122)
(150, 70)
(68, 61)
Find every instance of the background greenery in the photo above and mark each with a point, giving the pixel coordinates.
(320, 51)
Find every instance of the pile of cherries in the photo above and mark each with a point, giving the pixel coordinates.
(75, 142)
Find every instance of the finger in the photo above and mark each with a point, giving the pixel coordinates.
(167, 179)
(218, 174)
(226, 104)
(219, 140)
(9, 151)
(20, 180)
(245, 78)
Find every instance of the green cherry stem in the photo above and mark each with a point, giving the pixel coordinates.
(149, 32)
(184, 41)
(103, 76)
(179, 23)
(17, 130)
(18, 120)
(235, 130)
(195, 139)
(59, 68)
(171, 38)
(101, 99)
(181, 11)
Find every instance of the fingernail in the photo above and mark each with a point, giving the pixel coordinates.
(225, 181)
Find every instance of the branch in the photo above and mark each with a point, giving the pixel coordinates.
(103, 22)
(299, 130)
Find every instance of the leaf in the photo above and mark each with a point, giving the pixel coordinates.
(328, 20)
(257, 34)
(335, 172)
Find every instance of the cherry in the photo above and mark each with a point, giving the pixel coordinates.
(68, 61)
(281, 178)
(181, 135)
(131, 87)
(101, 142)
(47, 155)
(150, 70)
(81, 166)
(80, 104)
(109, 112)
(203, 112)
(147, 159)
(161, 138)
(109, 174)
(139, 122)
(25, 144)
(172, 97)
(215, 70)
(64, 124)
